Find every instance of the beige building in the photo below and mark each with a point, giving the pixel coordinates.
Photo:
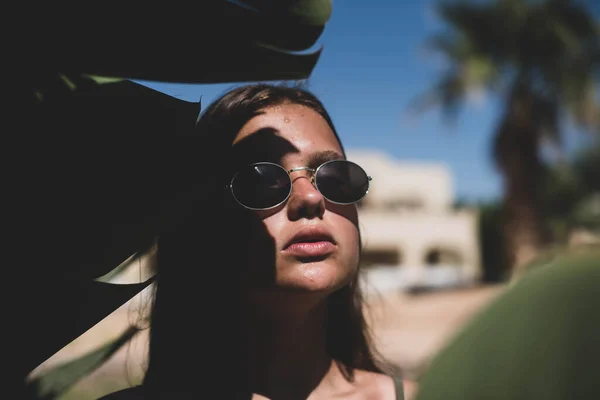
(412, 236)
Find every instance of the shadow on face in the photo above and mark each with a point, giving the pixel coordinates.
(262, 145)
(214, 244)
(251, 240)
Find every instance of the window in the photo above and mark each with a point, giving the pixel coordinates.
(441, 256)
(380, 257)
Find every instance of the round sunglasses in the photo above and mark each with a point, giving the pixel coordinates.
(265, 185)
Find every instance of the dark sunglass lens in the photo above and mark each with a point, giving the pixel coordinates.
(261, 186)
(342, 181)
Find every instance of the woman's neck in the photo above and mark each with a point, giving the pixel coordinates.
(287, 351)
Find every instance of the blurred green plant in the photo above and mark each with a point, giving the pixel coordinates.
(506, 353)
(542, 60)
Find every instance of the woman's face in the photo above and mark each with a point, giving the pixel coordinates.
(314, 244)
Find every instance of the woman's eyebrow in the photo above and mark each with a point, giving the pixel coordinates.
(321, 157)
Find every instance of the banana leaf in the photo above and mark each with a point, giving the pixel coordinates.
(105, 164)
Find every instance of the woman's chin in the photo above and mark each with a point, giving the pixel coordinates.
(314, 276)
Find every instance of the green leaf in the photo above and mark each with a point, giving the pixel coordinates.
(121, 268)
(313, 12)
(104, 79)
(310, 12)
(211, 42)
(108, 199)
(139, 257)
(133, 175)
(58, 380)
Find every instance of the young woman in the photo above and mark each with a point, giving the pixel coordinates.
(258, 294)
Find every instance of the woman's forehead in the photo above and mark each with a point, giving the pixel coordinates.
(286, 131)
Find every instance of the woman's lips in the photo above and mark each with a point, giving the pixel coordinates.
(310, 242)
(310, 249)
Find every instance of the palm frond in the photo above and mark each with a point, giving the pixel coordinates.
(452, 48)
(555, 45)
(489, 28)
(471, 75)
(448, 93)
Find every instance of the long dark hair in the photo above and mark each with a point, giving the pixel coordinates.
(195, 317)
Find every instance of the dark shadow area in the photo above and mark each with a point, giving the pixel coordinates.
(263, 145)
(206, 264)
(95, 171)
(491, 239)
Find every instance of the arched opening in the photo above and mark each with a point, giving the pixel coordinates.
(373, 258)
(443, 256)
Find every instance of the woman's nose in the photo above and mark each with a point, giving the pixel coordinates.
(305, 201)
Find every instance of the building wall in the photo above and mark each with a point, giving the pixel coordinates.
(405, 185)
(412, 235)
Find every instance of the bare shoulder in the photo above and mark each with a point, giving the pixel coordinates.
(374, 386)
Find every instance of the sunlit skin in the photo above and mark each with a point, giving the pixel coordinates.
(306, 208)
(287, 315)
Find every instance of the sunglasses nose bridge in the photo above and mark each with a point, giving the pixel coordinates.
(311, 171)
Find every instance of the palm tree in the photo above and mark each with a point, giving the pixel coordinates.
(542, 59)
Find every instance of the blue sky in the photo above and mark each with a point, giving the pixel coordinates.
(371, 67)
